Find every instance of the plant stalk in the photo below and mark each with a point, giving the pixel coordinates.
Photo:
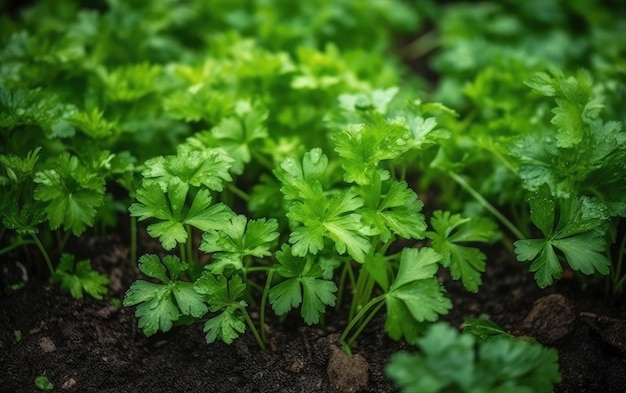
(44, 253)
(266, 291)
(252, 327)
(465, 185)
(355, 320)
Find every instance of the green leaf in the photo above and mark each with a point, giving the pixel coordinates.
(576, 104)
(484, 329)
(447, 360)
(302, 180)
(220, 291)
(451, 233)
(396, 212)
(377, 267)
(582, 155)
(18, 169)
(93, 123)
(72, 193)
(333, 218)
(378, 100)
(160, 305)
(208, 168)
(167, 206)
(239, 238)
(37, 107)
(415, 296)
(362, 147)
(79, 278)
(304, 286)
(454, 362)
(224, 298)
(43, 383)
(237, 133)
(578, 235)
(156, 310)
(130, 82)
(226, 326)
(24, 220)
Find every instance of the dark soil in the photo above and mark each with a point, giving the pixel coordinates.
(93, 346)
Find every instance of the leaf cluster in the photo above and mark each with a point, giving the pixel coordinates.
(450, 361)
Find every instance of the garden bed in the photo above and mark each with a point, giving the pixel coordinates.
(338, 196)
(94, 346)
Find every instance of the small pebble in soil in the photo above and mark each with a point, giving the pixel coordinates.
(611, 330)
(550, 320)
(346, 374)
(47, 345)
(69, 384)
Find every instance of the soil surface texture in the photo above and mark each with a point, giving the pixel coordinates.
(95, 346)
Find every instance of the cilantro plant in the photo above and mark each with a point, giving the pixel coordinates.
(450, 361)
(287, 161)
(338, 229)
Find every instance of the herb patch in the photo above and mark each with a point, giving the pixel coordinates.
(279, 176)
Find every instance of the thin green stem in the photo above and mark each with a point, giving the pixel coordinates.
(363, 324)
(262, 160)
(255, 269)
(424, 44)
(13, 246)
(252, 327)
(254, 285)
(356, 293)
(356, 319)
(266, 291)
(181, 248)
(465, 185)
(403, 170)
(237, 191)
(44, 253)
(189, 244)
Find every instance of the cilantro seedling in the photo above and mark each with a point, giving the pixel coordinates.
(43, 383)
(162, 304)
(575, 227)
(79, 277)
(450, 361)
(303, 285)
(451, 233)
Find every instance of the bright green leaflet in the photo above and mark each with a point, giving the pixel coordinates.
(78, 278)
(415, 296)
(18, 169)
(235, 134)
(333, 218)
(237, 239)
(578, 235)
(224, 297)
(43, 383)
(397, 212)
(301, 180)
(208, 168)
(72, 193)
(576, 103)
(170, 208)
(160, 305)
(451, 233)
(362, 147)
(304, 285)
